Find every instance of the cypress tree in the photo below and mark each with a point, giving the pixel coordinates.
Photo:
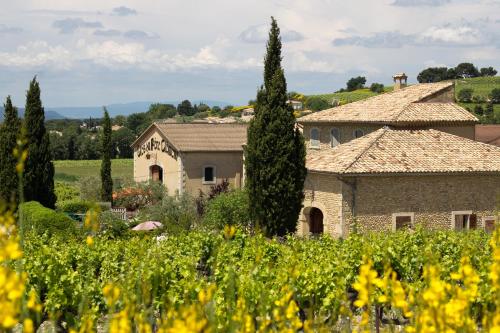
(9, 132)
(38, 180)
(275, 152)
(106, 180)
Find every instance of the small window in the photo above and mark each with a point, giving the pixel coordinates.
(402, 221)
(358, 133)
(315, 138)
(489, 224)
(334, 137)
(463, 220)
(209, 175)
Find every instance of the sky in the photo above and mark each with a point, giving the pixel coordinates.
(99, 52)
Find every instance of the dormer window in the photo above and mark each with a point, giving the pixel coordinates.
(314, 141)
(334, 137)
(358, 133)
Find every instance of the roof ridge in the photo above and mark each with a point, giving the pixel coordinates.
(384, 130)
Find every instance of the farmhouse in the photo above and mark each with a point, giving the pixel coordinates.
(397, 160)
(190, 157)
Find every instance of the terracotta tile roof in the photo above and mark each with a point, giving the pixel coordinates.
(396, 107)
(405, 151)
(488, 134)
(187, 137)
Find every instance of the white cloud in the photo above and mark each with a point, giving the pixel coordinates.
(38, 54)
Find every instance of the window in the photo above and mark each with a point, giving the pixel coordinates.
(314, 138)
(402, 221)
(489, 224)
(209, 175)
(463, 220)
(334, 137)
(358, 133)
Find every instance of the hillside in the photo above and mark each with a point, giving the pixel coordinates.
(348, 96)
(481, 87)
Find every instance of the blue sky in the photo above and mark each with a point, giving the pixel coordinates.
(90, 52)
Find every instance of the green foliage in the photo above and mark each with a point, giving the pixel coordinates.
(106, 180)
(495, 96)
(74, 206)
(9, 132)
(466, 70)
(65, 191)
(39, 170)
(356, 83)
(185, 108)
(177, 213)
(90, 189)
(254, 269)
(231, 208)
(110, 226)
(316, 103)
(39, 219)
(121, 141)
(161, 111)
(465, 95)
(275, 153)
(377, 88)
(436, 74)
(488, 71)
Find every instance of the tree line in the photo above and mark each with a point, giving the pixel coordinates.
(26, 167)
(462, 70)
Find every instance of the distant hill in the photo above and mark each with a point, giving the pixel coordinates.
(124, 109)
(348, 96)
(49, 115)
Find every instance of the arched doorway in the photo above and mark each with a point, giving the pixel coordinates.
(156, 173)
(315, 221)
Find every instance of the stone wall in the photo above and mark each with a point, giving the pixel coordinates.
(443, 96)
(346, 132)
(431, 198)
(324, 192)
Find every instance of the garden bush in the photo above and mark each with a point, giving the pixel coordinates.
(90, 188)
(40, 220)
(465, 95)
(65, 191)
(229, 208)
(112, 226)
(139, 195)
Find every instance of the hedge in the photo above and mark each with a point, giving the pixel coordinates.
(39, 219)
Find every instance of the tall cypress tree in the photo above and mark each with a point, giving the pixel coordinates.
(9, 132)
(106, 180)
(275, 152)
(38, 180)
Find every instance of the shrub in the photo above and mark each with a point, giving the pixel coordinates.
(478, 109)
(90, 189)
(65, 191)
(465, 95)
(495, 96)
(139, 195)
(176, 213)
(39, 219)
(112, 226)
(230, 208)
(316, 103)
(377, 88)
(478, 99)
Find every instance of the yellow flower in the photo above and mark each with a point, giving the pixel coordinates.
(28, 326)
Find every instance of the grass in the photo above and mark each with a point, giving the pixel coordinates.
(73, 171)
(481, 86)
(349, 96)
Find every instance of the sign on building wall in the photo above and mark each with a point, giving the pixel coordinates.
(156, 145)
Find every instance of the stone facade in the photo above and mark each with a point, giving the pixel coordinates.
(183, 172)
(346, 132)
(370, 201)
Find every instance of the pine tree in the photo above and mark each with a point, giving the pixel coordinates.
(38, 180)
(9, 133)
(275, 152)
(106, 180)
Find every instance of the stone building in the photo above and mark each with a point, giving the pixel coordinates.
(395, 161)
(190, 157)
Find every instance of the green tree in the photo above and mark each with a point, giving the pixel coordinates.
(436, 74)
(106, 180)
(121, 141)
(466, 69)
(495, 96)
(356, 83)
(38, 179)
(465, 95)
(488, 71)
(316, 103)
(377, 88)
(275, 154)
(185, 108)
(9, 131)
(489, 115)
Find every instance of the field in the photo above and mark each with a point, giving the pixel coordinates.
(72, 171)
(348, 96)
(482, 86)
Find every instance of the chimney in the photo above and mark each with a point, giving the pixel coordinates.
(398, 80)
